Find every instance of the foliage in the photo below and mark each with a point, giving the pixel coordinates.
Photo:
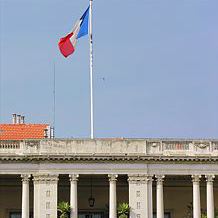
(64, 209)
(204, 215)
(123, 210)
(189, 212)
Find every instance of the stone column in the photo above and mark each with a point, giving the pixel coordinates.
(113, 196)
(210, 197)
(150, 197)
(196, 196)
(45, 195)
(25, 195)
(138, 195)
(73, 195)
(160, 202)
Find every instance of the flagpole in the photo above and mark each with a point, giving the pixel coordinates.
(91, 71)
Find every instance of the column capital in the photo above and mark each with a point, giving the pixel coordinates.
(25, 178)
(112, 177)
(210, 178)
(196, 178)
(43, 178)
(150, 178)
(74, 177)
(142, 178)
(159, 179)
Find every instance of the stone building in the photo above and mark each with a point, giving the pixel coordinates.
(157, 177)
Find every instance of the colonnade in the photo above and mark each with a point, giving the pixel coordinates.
(140, 195)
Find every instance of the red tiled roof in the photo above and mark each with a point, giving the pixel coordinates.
(22, 131)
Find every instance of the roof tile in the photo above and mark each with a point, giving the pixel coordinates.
(22, 131)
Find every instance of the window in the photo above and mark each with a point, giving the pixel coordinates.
(15, 215)
(18, 215)
(91, 215)
(138, 215)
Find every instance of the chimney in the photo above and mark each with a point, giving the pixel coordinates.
(14, 118)
(52, 133)
(18, 119)
(22, 119)
(45, 133)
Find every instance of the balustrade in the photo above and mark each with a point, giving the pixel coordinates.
(98, 147)
(9, 144)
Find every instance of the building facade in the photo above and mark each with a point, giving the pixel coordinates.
(161, 178)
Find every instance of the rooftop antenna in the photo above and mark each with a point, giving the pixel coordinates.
(1, 88)
(0, 92)
(54, 101)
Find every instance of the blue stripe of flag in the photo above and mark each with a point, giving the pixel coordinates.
(84, 26)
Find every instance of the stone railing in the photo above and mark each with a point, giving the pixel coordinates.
(110, 147)
(183, 147)
(11, 145)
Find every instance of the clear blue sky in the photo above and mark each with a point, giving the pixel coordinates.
(159, 60)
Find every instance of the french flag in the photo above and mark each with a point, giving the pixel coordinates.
(67, 44)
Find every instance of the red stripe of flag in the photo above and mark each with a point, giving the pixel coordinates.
(66, 46)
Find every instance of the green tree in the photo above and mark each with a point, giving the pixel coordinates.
(64, 209)
(123, 210)
(204, 215)
(189, 212)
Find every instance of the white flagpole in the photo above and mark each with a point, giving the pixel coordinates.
(91, 70)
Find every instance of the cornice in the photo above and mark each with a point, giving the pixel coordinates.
(102, 158)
